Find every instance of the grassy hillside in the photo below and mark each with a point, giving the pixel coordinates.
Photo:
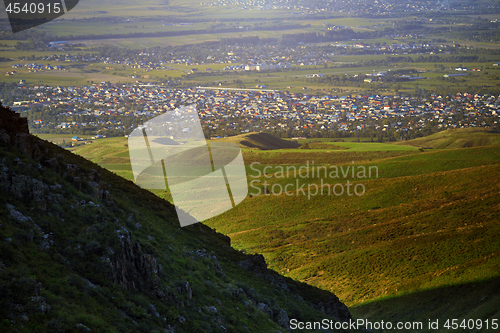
(421, 242)
(428, 220)
(109, 153)
(457, 138)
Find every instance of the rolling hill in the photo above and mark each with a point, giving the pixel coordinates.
(426, 226)
(261, 141)
(416, 226)
(421, 242)
(457, 138)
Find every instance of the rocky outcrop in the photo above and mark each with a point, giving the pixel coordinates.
(33, 304)
(11, 122)
(255, 263)
(212, 257)
(283, 320)
(335, 308)
(265, 308)
(133, 269)
(14, 131)
(24, 187)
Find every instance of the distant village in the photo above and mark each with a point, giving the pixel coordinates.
(116, 109)
(351, 6)
(236, 57)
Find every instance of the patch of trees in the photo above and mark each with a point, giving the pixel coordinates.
(327, 36)
(10, 92)
(34, 41)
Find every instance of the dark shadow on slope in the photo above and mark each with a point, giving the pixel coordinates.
(477, 300)
(266, 141)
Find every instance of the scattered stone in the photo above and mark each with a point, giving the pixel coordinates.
(211, 309)
(72, 170)
(152, 311)
(17, 215)
(38, 193)
(185, 289)
(53, 164)
(47, 241)
(82, 328)
(335, 308)
(265, 308)
(19, 186)
(56, 188)
(283, 320)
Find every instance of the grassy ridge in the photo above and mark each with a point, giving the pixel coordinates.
(462, 138)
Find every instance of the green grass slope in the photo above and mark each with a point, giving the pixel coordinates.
(429, 220)
(109, 153)
(426, 225)
(457, 138)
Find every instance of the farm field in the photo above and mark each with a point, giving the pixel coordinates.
(200, 26)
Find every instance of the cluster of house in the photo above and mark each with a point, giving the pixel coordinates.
(239, 58)
(34, 67)
(253, 110)
(349, 6)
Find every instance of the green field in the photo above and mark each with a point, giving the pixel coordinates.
(110, 153)
(113, 152)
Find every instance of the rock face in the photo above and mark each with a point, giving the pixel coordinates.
(255, 263)
(335, 308)
(25, 187)
(14, 130)
(133, 269)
